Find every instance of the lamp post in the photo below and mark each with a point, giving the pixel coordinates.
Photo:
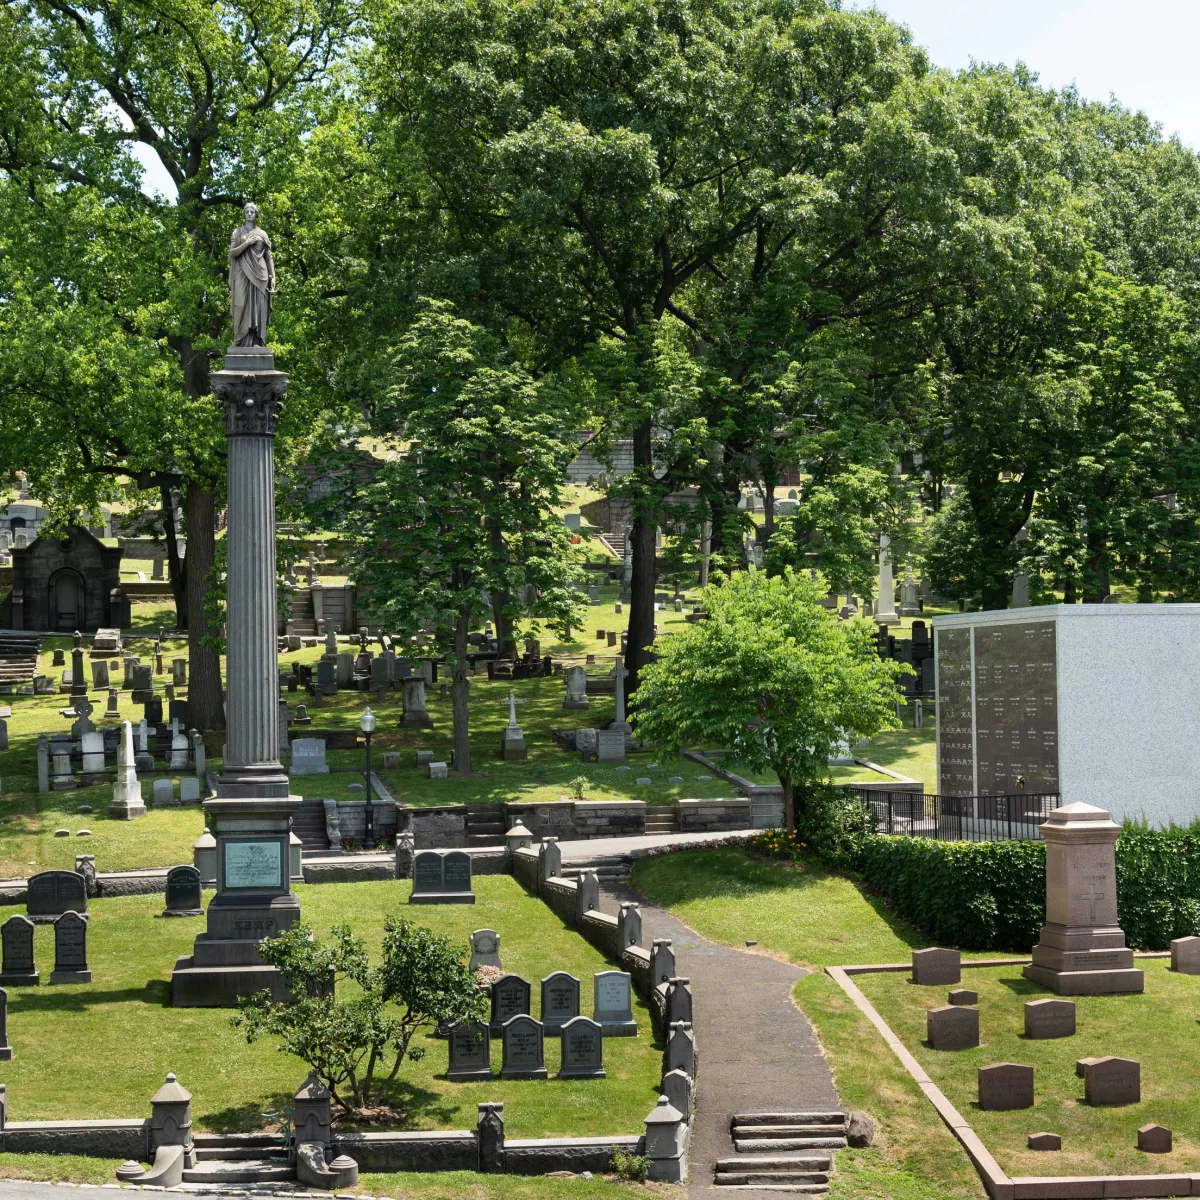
(367, 724)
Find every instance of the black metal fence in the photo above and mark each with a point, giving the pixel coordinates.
(958, 818)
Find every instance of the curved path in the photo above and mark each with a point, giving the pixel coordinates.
(758, 1052)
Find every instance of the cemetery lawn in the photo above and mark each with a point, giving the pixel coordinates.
(1157, 1028)
(102, 1049)
(908, 751)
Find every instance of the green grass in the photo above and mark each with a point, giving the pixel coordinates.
(815, 918)
(101, 1050)
(908, 751)
(466, 1185)
(1157, 1028)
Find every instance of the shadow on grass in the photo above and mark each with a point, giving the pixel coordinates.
(245, 1118)
(58, 999)
(1023, 987)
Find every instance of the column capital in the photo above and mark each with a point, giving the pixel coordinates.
(251, 402)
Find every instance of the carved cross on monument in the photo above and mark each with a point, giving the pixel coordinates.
(512, 707)
(1091, 895)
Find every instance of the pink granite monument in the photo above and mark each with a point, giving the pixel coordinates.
(1081, 950)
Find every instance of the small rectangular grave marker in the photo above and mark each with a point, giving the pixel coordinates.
(1154, 1139)
(1049, 1018)
(183, 893)
(560, 1000)
(470, 1052)
(582, 1050)
(52, 893)
(1185, 955)
(1005, 1086)
(1111, 1081)
(936, 967)
(524, 1049)
(952, 1027)
(613, 1003)
(16, 938)
(70, 950)
(1043, 1141)
(963, 996)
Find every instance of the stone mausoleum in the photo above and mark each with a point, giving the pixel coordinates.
(1093, 702)
(64, 584)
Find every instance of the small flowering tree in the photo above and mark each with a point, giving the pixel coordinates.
(357, 1043)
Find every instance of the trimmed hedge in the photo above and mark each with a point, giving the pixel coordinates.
(991, 895)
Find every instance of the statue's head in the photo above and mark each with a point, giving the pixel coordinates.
(251, 212)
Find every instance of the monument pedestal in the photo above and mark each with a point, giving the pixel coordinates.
(1081, 950)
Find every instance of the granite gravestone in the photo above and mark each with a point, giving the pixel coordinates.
(442, 877)
(16, 938)
(1043, 1141)
(582, 1050)
(952, 1027)
(1049, 1018)
(308, 757)
(485, 950)
(936, 967)
(1111, 1081)
(510, 998)
(1154, 1139)
(183, 893)
(1081, 950)
(524, 1049)
(52, 893)
(613, 1003)
(560, 1000)
(470, 1052)
(962, 996)
(1185, 955)
(1004, 1087)
(70, 950)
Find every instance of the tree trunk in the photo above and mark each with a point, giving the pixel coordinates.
(789, 803)
(770, 477)
(459, 687)
(176, 567)
(501, 599)
(641, 584)
(205, 708)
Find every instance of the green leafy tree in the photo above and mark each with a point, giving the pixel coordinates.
(770, 676)
(463, 507)
(122, 296)
(357, 1045)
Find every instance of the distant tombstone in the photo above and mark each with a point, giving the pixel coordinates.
(52, 893)
(143, 683)
(415, 712)
(163, 793)
(5, 1049)
(16, 938)
(92, 747)
(1111, 1081)
(587, 742)
(560, 1000)
(1185, 955)
(1004, 1087)
(179, 672)
(344, 674)
(1049, 1018)
(485, 950)
(183, 893)
(308, 757)
(510, 998)
(962, 996)
(189, 790)
(99, 673)
(952, 1027)
(470, 1052)
(524, 1049)
(610, 746)
(60, 657)
(613, 1003)
(43, 763)
(936, 967)
(1044, 1141)
(582, 1055)
(112, 709)
(326, 677)
(153, 711)
(576, 680)
(70, 950)
(1154, 1139)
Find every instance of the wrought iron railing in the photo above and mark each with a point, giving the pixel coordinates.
(1008, 818)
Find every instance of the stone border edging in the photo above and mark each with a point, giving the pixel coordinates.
(997, 1184)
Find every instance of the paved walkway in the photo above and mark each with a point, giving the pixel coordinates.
(758, 1052)
(585, 848)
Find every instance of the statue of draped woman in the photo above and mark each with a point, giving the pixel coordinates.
(251, 281)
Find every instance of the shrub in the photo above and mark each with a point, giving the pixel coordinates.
(833, 825)
(632, 1167)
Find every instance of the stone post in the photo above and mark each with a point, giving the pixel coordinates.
(171, 1118)
(666, 1142)
(314, 1113)
(489, 1138)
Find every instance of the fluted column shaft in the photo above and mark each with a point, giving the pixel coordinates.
(252, 767)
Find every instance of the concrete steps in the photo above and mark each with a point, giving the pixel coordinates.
(228, 1158)
(781, 1152)
(605, 867)
(486, 825)
(308, 824)
(19, 656)
(662, 818)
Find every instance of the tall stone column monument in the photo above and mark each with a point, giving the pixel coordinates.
(251, 815)
(1081, 950)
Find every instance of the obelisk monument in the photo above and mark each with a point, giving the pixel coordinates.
(250, 816)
